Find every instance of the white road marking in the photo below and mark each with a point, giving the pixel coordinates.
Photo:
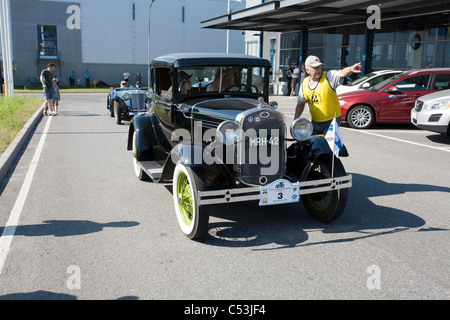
(400, 140)
(11, 225)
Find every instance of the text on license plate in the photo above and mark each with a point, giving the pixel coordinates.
(279, 192)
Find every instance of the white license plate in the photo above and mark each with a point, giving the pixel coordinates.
(279, 192)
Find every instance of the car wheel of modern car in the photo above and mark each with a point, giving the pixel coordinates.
(329, 205)
(117, 112)
(137, 168)
(360, 117)
(192, 218)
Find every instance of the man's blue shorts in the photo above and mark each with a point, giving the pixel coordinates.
(49, 94)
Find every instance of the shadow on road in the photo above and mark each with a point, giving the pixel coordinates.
(248, 225)
(63, 228)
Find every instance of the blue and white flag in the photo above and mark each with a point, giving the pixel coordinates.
(333, 137)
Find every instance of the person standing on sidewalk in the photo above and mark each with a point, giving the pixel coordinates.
(47, 85)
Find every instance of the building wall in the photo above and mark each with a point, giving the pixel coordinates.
(108, 37)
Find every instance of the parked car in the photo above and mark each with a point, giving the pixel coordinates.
(432, 112)
(391, 100)
(124, 103)
(367, 81)
(212, 131)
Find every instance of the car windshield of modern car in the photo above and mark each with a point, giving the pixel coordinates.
(206, 80)
(384, 83)
(362, 79)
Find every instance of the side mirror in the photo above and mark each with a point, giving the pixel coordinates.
(392, 89)
(365, 85)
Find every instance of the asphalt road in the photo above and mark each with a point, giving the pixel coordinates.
(77, 224)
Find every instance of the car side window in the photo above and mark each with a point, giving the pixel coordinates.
(442, 81)
(415, 83)
(164, 82)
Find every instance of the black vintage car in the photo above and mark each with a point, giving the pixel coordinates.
(124, 103)
(212, 131)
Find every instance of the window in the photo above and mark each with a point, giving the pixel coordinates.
(442, 81)
(47, 42)
(416, 83)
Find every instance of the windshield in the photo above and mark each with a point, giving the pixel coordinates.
(198, 80)
(384, 83)
(363, 78)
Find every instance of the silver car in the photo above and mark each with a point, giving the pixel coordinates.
(432, 112)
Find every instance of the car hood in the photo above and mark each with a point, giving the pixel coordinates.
(439, 95)
(357, 93)
(225, 109)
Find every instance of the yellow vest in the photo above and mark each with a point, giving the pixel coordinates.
(322, 101)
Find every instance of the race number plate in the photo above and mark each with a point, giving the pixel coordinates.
(279, 192)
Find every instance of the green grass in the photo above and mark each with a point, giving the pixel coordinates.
(15, 111)
(61, 89)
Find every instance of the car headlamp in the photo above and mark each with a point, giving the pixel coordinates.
(301, 129)
(342, 102)
(228, 132)
(148, 95)
(439, 105)
(126, 96)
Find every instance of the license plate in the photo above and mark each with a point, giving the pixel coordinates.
(279, 192)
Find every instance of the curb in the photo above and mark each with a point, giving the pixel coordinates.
(11, 152)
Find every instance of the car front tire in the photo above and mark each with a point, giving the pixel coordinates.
(117, 112)
(192, 218)
(329, 205)
(361, 117)
(137, 168)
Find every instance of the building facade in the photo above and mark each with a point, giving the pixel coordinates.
(388, 34)
(108, 37)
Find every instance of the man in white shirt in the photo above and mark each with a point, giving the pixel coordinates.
(295, 75)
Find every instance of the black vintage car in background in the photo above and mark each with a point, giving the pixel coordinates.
(212, 131)
(124, 103)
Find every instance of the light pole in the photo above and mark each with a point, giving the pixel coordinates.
(228, 30)
(5, 30)
(148, 45)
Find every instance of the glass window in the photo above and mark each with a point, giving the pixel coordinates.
(417, 83)
(442, 81)
(47, 42)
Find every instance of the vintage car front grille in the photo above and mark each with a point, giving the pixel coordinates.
(137, 102)
(261, 149)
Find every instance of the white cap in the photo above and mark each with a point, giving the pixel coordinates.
(313, 61)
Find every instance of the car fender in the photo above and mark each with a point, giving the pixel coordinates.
(318, 148)
(145, 139)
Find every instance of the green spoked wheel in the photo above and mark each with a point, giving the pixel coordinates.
(329, 205)
(192, 218)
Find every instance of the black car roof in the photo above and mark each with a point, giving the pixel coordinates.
(209, 59)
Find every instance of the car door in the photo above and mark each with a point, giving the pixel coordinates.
(402, 95)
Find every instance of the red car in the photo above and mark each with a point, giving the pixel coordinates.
(391, 100)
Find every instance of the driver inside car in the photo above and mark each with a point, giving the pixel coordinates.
(227, 83)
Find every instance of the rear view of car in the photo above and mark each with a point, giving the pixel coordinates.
(432, 112)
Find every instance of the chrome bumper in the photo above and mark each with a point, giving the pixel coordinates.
(253, 193)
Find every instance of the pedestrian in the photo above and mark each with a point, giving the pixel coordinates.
(71, 77)
(318, 89)
(289, 78)
(57, 97)
(295, 75)
(47, 85)
(87, 77)
(138, 77)
(126, 76)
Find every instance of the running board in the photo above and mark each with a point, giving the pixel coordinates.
(152, 169)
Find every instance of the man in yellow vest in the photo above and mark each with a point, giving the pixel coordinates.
(319, 91)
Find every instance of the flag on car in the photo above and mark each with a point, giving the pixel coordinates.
(333, 138)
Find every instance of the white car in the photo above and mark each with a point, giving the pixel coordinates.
(432, 112)
(367, 81)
